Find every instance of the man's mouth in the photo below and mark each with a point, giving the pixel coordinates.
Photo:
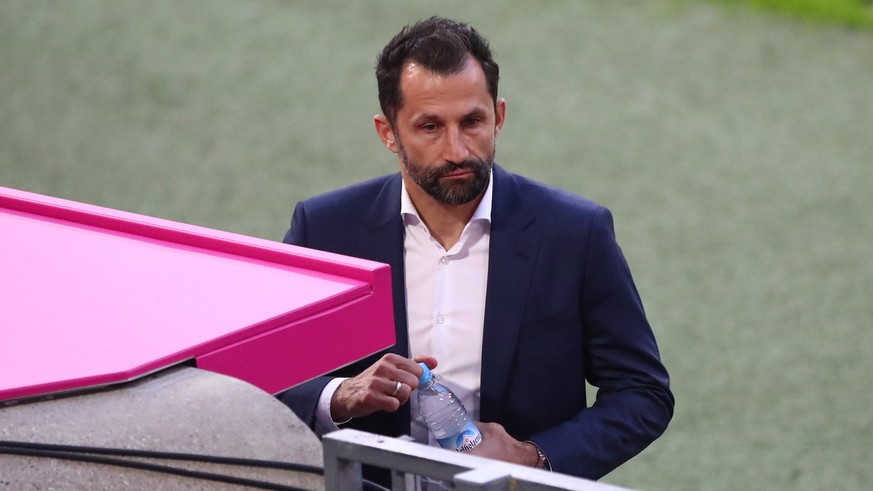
(463, 172)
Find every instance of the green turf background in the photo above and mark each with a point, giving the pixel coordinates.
(734, 148)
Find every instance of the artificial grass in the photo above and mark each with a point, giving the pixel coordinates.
(733, 149)
(856, 13)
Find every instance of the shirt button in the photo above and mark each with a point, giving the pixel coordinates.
(441, 319)
(444, 260)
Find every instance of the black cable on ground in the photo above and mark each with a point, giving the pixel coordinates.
(42, 451)
(93, 455)
(155, 454)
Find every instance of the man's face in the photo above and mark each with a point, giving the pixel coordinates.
(445, 132)
(449, 183)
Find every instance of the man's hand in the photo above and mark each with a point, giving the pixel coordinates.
(376, 389)
(497, 444)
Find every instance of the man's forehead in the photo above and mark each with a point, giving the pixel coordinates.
(414, 69)
(419, 84)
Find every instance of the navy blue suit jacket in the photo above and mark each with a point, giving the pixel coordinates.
(561, 308)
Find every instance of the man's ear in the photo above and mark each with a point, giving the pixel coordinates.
(386, 133)
(499, 115)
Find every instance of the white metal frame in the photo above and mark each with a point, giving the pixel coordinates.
(346, 450)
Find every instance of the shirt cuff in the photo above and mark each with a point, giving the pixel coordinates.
(323, 422)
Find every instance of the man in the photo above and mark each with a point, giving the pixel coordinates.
(518, 290)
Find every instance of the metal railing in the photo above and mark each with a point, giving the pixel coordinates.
(345, 451)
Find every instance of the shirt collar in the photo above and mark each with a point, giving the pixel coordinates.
(483, 211)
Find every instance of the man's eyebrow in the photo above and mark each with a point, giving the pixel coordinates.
(476, 112)
(426, 118)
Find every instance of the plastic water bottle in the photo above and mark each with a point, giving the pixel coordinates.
(445, 416)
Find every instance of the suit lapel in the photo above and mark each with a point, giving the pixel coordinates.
(510, 268)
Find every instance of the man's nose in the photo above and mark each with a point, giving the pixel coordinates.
(456, 150)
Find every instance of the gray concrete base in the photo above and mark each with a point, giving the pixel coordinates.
(181, 410)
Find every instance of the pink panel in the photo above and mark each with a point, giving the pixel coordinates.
(91, 296)
(343, 335)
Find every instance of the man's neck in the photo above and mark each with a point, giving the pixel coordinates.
(445, 222)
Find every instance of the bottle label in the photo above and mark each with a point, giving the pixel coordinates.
(464, 441)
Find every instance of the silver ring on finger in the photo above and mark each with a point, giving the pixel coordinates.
(396, 388)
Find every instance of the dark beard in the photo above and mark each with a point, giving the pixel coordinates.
(428, 178)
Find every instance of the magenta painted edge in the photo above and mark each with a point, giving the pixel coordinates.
(181, 233)
(325, 342)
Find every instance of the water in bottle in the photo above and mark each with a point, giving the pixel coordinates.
(445, 416)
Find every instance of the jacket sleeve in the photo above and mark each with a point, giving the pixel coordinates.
(634, 403)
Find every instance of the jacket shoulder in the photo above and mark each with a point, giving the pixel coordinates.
(548, 202)
(356, 197)
(357, 190)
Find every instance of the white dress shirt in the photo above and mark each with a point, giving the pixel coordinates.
(445, 305)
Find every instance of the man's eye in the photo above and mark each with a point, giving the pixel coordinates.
(473, 122)
(430, 127)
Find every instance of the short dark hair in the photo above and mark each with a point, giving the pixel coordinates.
(438, 44)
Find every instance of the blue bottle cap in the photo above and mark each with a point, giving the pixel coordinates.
(426, 376)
